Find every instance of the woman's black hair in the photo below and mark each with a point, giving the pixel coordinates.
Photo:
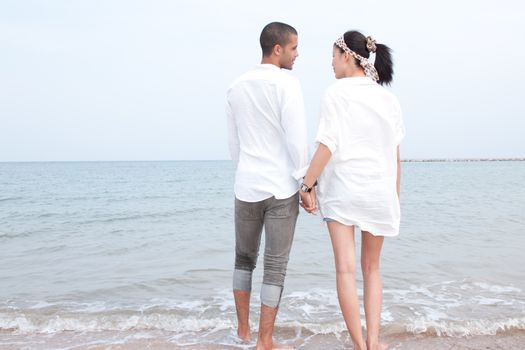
(383, 62)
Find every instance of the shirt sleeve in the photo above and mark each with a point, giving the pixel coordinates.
(293, 122)
(328, 129)
(399, 125)
(233, 135)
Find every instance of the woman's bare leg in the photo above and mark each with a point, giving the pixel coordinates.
(344, 253)
(373, 288)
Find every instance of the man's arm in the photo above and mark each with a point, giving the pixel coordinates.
(293, 122)
(233, 135)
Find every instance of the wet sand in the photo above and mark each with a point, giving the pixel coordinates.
(510, 340)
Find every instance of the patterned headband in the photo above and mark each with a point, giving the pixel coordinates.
(371, 44)
(370, 70)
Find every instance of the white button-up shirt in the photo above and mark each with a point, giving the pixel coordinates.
(362, 125)
(267, 133)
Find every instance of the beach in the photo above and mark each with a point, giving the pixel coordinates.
(139, 255)
(512, 340)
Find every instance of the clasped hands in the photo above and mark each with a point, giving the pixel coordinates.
(308, 201)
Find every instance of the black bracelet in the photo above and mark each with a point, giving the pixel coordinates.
(315, 183)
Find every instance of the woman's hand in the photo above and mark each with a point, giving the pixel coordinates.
(309, 201)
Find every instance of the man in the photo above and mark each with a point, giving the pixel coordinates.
(267, 139)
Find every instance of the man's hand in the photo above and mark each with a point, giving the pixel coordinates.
(309, 201)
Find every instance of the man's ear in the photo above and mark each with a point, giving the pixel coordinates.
(277, 50)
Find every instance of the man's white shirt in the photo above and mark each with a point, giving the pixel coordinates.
(267, 133)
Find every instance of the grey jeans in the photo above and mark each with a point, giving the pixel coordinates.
(278, 217)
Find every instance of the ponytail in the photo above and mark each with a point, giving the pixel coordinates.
(358, 43)
(384, 64)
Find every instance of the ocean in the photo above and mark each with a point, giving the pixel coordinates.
(134, 255)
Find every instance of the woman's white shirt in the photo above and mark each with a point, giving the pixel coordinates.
(362, 125)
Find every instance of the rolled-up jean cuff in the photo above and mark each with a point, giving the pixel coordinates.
(271, 295)
(242, 280)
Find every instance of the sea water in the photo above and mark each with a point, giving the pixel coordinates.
(112, 252)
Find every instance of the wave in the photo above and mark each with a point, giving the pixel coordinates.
(23, 323)
(465, 328)
(437, 309)
(30, 324)
(23, 234)
(154, 215)
(6, 199)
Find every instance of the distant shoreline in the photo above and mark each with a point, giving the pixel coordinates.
(464, 160)
(412, 160)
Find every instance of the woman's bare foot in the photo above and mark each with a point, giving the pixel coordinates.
(274, 346)
(378, 346)
(357, 347)
(244, 335)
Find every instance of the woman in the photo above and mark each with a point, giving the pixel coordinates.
(358, 171)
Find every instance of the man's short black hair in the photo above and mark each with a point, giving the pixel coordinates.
(275, 33)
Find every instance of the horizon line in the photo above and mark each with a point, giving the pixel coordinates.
(407, 160)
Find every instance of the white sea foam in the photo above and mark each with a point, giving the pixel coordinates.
(464, 328)
(437, 309)
(496, 288)
(26, 324)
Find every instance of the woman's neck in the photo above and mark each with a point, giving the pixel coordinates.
(355, 72)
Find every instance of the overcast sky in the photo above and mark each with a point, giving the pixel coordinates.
(146, 80)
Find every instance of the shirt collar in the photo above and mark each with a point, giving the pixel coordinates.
(358, 81)
(269, 66)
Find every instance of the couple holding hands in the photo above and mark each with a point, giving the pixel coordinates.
(353, 178)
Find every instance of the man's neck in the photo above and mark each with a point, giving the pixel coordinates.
(270, 60)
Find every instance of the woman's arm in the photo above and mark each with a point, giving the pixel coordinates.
(320, 159)
(398, 182)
